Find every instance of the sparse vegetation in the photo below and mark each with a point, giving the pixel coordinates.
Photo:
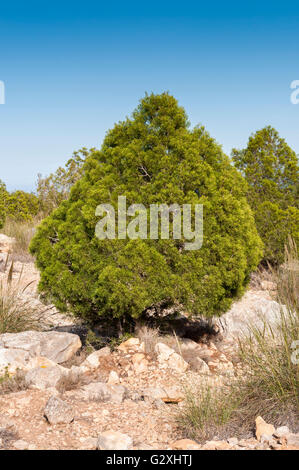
(22, 232)
(149, 337)
(17, 311)
(13, 383)
(55, 188)
(270, 384)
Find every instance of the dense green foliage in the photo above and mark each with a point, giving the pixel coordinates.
(55, 188)
(151, 158)
(271, 169)
(19, 205)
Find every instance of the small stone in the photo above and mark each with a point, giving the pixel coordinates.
(233, 441)
(43, 378)
(268, 285)
(93, 361)
(58, 411)
(140, 363)
(185, 444)
(265, 438)
(113, 378)
(169, 358)
(113, 440)
(282, 431)
(263, 428)
(89, 443)
(132, 343)
(293, 440)
(20, 445)
(166, 394)
(32, 447)
(99, 391)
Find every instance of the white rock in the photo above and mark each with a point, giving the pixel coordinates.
(93, 360)
(170, 394)
(100, 391)
(43, 378)
(13, 359)
(58, 411)
(113, 378)
(250, 309)
(88, 443)
(130, 344)
(56, 346)
(282, 431)
(21, 445)
(113, 440)
(6, 243)
(168, 357)
(140, 363)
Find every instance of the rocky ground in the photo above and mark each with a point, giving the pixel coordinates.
(122, 399)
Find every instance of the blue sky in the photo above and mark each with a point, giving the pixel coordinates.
(73, 69)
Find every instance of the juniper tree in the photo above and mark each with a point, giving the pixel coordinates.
(153, 157)
(271, 170)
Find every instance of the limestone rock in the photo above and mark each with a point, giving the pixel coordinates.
(198, 364)
(250, 309)
(56, 346)
(6, 243)
(21, 445)
(166, 394)
(132, 344)
(263, 428)
(113, 440)
(185, 444)
(216, 445)
(282, 431)
(140, 363)
(169, 358)
(113, 378)
(268, 285)
(293, 440)
(12, 359)
(58, 411)
(94, 359)
(43, 378)
(100, 391)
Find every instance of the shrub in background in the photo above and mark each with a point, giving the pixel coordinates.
(55, 188)
(151, 158)
(21, 206)
(271, 170)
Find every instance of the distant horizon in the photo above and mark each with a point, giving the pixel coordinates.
(71, 70)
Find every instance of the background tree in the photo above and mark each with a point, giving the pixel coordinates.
(151, 158)
(55, 188)
(21, 206)
(271, 170)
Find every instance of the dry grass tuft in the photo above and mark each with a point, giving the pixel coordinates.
(270, 384)
(17, 311)
(150, 337)
(13, 383)
(22, 232)
(69, 382)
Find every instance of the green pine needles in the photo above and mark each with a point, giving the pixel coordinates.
(151, 158)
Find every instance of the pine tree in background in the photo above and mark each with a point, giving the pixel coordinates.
(271, 170)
